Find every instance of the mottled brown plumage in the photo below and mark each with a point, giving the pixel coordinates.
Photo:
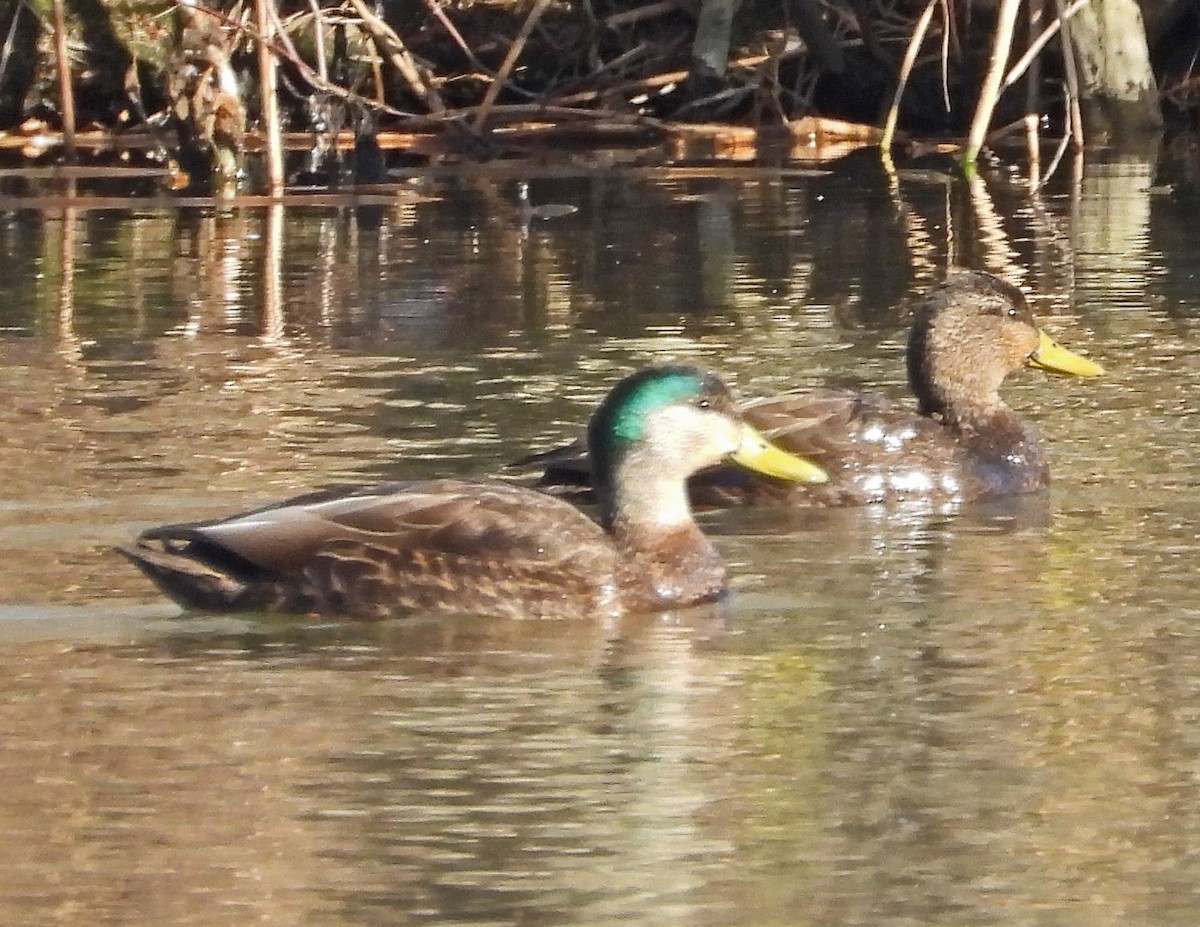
(488, 547)
(963, 443)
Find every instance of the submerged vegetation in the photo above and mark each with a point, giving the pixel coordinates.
(201, 83)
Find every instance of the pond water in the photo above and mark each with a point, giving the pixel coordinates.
(981, 715)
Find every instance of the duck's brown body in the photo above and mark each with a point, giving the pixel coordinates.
(876, 451)
(962, 442)
(487, 547)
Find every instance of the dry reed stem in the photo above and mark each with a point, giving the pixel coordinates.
(1039, 43)
(1058, 154)
(1033, 95)
(440, 15)
(1006, 18)
(510, 60)
(268, 77)
(318, 39)
(66, 91)
(910, 57)
(285, 49)
(637, 14)
(1068, 50)
(386, 38)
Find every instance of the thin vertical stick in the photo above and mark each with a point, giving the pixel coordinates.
(1068, 50)
(1006, 18)
(1033, 96)
(319, 39)
(910, 57)
(1039, 43)
(66, 92)
(268, 95)
(1062, 148)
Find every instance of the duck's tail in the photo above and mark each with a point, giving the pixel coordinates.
(565, 471)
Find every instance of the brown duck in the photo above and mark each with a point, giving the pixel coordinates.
(962, 443)
(491, 547)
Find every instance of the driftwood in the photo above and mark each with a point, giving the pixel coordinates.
(630, 67)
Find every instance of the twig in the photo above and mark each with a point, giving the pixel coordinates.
(66, 92)
(507, 111)
(12, 34)
(1068, 50)
(662, 80)
(514, 51)
(1005, 131)
(910, 57)
(401, 59)
(946, 30)
(440, 15)
(1058, 154)
(1006, 18)
(268, 92)
(318, 38)
(1039, 43)
(288, 52)
(1033, 98)
(649, 11)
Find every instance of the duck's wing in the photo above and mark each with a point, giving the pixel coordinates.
(873, 449)
(451, 544)
(830, 425)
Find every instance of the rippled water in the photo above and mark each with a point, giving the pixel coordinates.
(975, 716)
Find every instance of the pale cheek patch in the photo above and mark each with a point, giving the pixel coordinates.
(692, 434)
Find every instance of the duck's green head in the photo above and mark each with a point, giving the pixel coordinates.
(675, 419)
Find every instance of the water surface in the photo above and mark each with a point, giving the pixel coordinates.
(968, 716)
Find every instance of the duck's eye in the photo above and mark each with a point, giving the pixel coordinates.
(704, 404)
(1012, 312)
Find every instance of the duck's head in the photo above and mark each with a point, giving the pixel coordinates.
(971, 332)
(662, 424)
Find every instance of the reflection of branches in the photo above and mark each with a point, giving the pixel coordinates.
(70, 347)
(273, 320)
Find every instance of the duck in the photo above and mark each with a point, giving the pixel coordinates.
(961, 443)
(487, 546)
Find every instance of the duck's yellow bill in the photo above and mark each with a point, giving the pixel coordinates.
(1051, 356)
(758, 454)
